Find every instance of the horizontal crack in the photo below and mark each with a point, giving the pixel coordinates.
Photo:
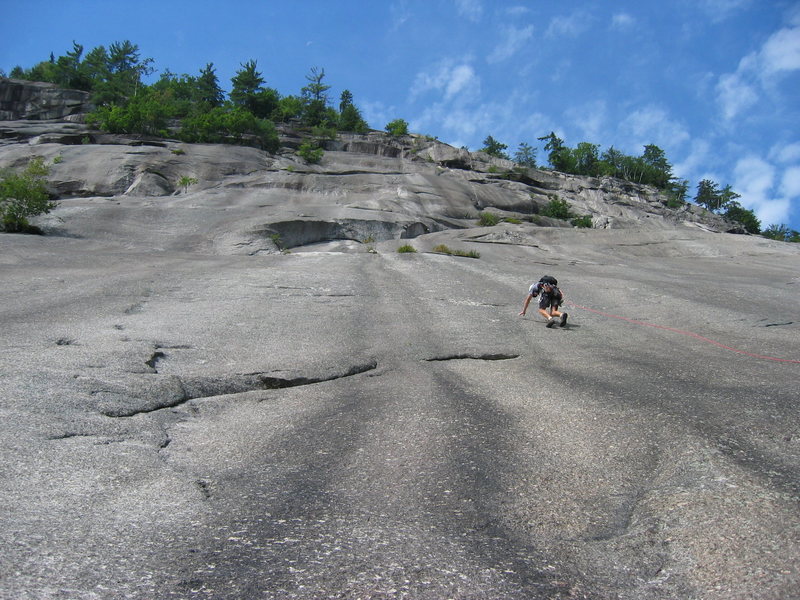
(175, 391)
(272, 383)
(68, 435)
(495, 356)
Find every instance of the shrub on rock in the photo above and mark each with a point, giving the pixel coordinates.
(24, 195)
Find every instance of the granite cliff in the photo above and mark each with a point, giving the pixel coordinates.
(382, 187)
(38, 100)
(219, 379)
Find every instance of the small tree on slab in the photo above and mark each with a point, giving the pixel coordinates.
(24, 195)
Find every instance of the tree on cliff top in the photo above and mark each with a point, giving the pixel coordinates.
(494, 148)
(350, 118)
(315, 100)
(248, 92)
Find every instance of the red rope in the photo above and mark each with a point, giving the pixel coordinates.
(687, 333)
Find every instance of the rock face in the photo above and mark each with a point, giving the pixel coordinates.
(368, 186)
(220, 379)
(36, 100)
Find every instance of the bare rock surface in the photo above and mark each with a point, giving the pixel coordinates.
(238, 388)
(38, 100)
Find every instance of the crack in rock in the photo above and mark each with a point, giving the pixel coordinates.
(173, 391)
(98, 438)
(68, 435)
(153, 360)
(468, 356)
(204, 487)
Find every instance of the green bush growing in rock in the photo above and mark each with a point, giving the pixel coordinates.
(736, 212)
(675, 203)
(220, 125)
(279, 244)
(24, 195)
(467, 253)
(557, 209)
(310, 152)
(185, 182)
(406, 248)
(397, 127)
(442, 248)
(488, 219)
(582, 222)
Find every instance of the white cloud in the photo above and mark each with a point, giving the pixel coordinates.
(739, 91)
(514, 39)
(470, 9)
(789, 153)
(455, 111)
(697, 159)
(462, 77)
(719, 10)
(535, 125)
(754, 180)
(653, 125)
(461, 123)
(781, 52)
(754, 176)
(467, 120)
(570, 26)
(378, 114)
(790, 182)
(517, 11)
(590, 119)
(622, 21)
(734, 95)
(400, 15)
(447, 77)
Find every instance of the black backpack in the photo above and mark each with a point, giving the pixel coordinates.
(549, 279)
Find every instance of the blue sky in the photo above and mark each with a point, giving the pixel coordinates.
(714, 83)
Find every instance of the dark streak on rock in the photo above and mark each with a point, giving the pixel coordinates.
(66, 436)
(495, 356)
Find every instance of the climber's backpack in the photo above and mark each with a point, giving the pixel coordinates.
(549, 279)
